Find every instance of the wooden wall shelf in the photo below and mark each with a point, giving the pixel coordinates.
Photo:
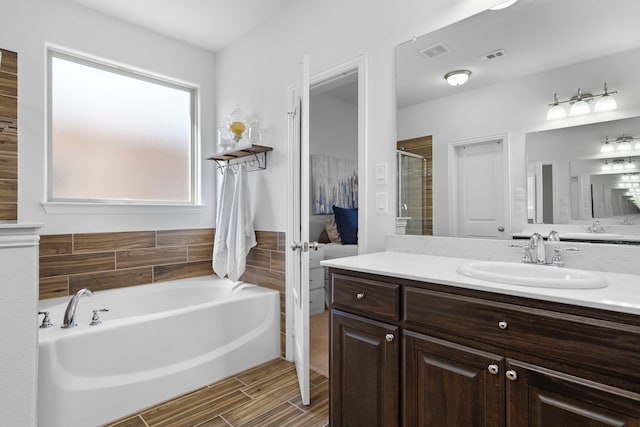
(254, 157)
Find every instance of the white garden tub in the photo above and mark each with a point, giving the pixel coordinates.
(156, 341)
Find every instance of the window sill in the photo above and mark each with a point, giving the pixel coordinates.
(124, 208)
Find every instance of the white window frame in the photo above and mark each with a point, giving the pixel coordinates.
(53, 205)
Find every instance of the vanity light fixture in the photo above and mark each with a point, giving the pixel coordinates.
(503, 5)
(556, 111)
(606, 102)
(624, 143)
(631, 164)
(580, 104)
(618, 164)
(457, 77)
(606, 147)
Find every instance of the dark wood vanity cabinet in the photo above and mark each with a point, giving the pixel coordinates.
(442, 356)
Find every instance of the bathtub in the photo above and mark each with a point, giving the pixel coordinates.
(156, 341)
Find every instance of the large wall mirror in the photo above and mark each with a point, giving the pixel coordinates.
(482, 159)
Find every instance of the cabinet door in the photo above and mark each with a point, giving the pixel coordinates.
(450, 385)
(538, 397)
(364, 372)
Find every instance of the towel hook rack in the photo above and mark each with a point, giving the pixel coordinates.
(254, 157)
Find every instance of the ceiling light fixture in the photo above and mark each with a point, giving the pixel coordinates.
(457, 77)
(503, 5)
(580, 104)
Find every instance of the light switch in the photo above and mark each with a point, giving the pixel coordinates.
(381, 203)
(381, 173)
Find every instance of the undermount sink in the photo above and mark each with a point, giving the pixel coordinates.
(590, 236)
(540, 276)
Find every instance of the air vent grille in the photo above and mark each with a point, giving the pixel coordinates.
(493, 55)
(435, 50)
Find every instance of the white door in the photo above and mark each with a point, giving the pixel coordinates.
(480, 184)
(297, 260)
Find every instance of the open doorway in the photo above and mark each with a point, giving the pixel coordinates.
(333, 149)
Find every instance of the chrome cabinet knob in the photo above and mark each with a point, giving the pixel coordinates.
(493, 369)
(360, 295)
(512, 375)
(389, 337)
(502, 324)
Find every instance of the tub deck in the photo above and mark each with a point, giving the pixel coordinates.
(265, 395)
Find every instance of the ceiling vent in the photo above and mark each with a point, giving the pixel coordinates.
(435, 50)
(493, 55)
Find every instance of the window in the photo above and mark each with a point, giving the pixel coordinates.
(118, 135)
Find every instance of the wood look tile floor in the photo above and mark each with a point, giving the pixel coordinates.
(266, 395)
(319, 343)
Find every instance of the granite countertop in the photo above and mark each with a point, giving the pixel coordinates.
(622, 293)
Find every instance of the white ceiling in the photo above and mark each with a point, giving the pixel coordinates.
(537, 35)
(209, 24)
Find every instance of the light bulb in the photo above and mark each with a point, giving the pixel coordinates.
(606, 147)
(606, 166)
(630, 165)
(606, 103)
(457, 77)
(623, 145)
(556, 111)
(503, 5)
(578, 108)
(618, 166)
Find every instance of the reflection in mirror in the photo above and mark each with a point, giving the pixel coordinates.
(596, 168)
(519, 57)
(414, 206)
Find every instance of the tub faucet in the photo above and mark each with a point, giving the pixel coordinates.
(536, 243)
(70, 313)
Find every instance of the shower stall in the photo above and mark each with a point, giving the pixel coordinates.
(412, 195)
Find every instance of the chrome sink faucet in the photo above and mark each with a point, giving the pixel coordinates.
(595, 227)
(70, 312)
(536, 243)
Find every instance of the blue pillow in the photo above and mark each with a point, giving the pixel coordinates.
(347, 222)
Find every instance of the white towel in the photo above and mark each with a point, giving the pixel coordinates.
(220, 249)
(241, 235)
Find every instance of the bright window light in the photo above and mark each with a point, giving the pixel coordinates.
(119, 136)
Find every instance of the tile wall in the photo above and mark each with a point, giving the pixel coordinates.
(8, 136)
(98, 261)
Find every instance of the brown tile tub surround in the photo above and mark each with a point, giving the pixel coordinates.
(98, 261)
(9, 136)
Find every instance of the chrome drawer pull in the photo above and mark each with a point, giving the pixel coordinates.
(512, 375)
(360, 295)
(389, 337)
(493, 369)
(502, 324)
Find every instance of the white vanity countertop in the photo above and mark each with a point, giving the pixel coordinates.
(622, 293)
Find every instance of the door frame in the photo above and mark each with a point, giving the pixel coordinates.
(359, 65)
(452, 159)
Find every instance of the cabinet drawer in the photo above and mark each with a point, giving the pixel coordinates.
(600, 344)
(316, 278)
(315, 256)
(316, 301)
(367, 296)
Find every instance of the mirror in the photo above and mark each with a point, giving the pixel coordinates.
(519, 57)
